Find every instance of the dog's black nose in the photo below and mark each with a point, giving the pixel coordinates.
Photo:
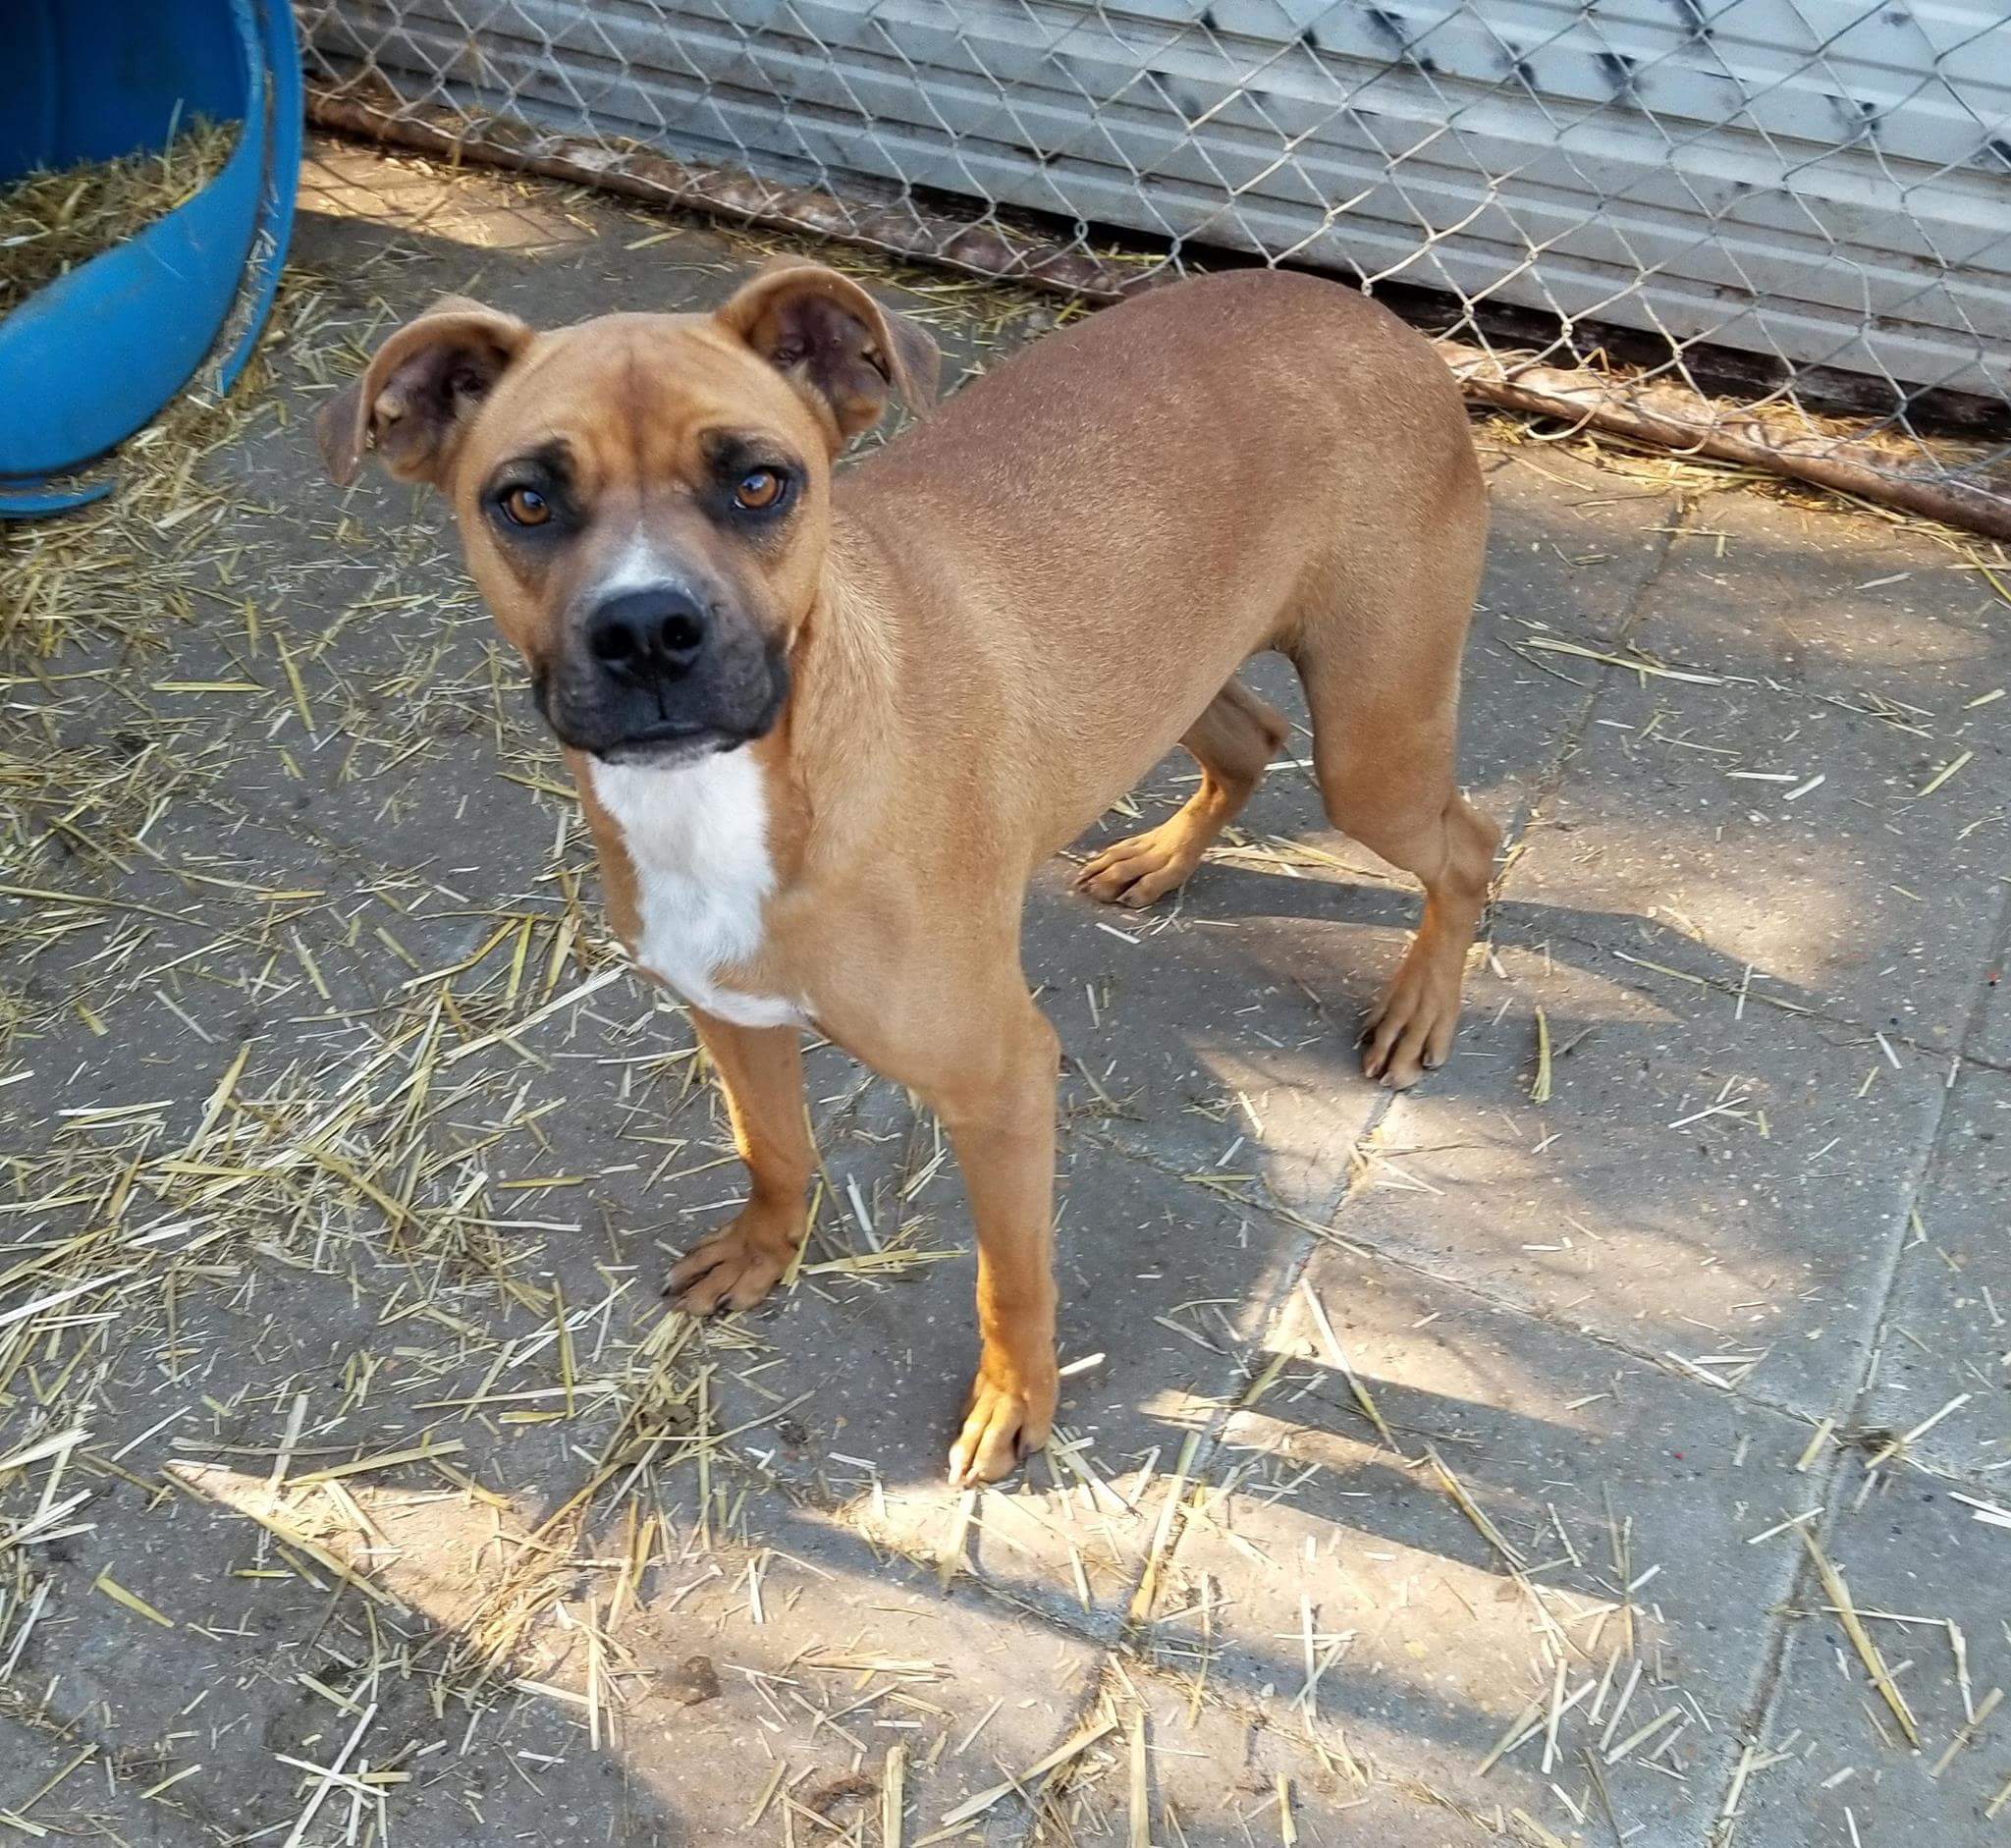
(647, 634)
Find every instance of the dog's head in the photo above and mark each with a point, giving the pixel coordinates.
(645, 498)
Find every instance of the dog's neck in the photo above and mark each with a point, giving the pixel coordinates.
(842, 673)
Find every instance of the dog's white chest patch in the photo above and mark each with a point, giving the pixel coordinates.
(697, 837)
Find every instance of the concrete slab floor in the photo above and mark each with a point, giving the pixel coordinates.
(1461, 1468)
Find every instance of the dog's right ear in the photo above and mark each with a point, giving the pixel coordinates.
(413, 402)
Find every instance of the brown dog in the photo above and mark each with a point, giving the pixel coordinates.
(825, 731)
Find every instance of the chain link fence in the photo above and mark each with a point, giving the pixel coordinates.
(1769, 231)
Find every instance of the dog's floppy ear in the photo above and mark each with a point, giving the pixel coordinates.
(412, 403)
(841, 349)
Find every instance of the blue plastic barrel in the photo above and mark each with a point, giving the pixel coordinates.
(100, 351)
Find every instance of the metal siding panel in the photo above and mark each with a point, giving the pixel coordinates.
(1632, 142)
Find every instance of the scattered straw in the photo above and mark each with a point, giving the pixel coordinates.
(50, 222)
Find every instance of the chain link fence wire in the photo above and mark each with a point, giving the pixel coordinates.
(1775, 232)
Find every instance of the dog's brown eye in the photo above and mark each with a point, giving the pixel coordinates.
(758, 489)
(526, 507)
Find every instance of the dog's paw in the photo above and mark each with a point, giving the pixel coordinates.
(1006, 1420)
(1145, 867)
(1412, 1030)
(734, 1269)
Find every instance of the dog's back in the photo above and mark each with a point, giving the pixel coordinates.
(1215, 467)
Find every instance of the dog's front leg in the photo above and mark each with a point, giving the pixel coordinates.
(999, 1111)
(761, 1071)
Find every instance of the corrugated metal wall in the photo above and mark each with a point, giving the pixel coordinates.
(1825, 183)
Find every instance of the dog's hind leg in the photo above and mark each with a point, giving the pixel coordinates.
(1233, 741)
(1382, 750)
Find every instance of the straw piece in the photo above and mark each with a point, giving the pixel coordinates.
(1472, 1510)
(1540, 1085)
(1139, 1791)
(328, 1777)
(985, 1799)
(281, 1528)
(388, 1459)
(1920, 1430)
(893, 1795)
(1522, 1726)
(1641, 1735)
(1338, 1356)
(1839, 1594)
(767, 1795)
(949, 1561)
(1966, 1736)
(132, 1600)
(1140, 1606)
